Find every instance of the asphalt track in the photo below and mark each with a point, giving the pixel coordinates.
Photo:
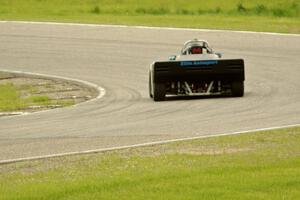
(118, 58)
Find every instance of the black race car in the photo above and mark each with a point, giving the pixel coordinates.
(197, 71)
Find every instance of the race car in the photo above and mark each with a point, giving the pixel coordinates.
(197, 71)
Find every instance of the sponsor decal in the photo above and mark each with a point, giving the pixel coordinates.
(198, 63)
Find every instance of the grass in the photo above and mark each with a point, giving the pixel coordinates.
(262, 165)
(255, 15)
(11, 98)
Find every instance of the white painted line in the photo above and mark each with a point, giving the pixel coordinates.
(3, 114)
(141, 145)
(101, 90)
(149, 27)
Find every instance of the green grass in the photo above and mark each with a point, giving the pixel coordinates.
(263, 15)
(263, 165)
(11, 98)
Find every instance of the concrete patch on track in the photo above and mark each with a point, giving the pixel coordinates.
(60, 92)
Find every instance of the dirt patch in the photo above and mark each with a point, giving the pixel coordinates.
(46, 93)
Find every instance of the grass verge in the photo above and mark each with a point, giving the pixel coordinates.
(262, 165)
(10, 98)
(255, 15)
(22, 97)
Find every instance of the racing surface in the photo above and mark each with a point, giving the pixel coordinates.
(118, 58)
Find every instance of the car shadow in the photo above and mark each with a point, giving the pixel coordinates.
(184, 98)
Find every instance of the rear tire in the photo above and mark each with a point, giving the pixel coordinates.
(237, 88)
(159, 91)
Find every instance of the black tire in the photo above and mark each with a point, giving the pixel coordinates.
(237, 88)
(150, 86)
(159, 91)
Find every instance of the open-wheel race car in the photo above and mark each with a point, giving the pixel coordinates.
(197, 71)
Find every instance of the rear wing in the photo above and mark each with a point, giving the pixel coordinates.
(196, 70)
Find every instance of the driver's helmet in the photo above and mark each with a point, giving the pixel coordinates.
(195, 47)
(196, 50)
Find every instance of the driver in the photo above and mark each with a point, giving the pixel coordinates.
(196, 50)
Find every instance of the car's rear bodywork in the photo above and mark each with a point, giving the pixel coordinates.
(197, 76)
